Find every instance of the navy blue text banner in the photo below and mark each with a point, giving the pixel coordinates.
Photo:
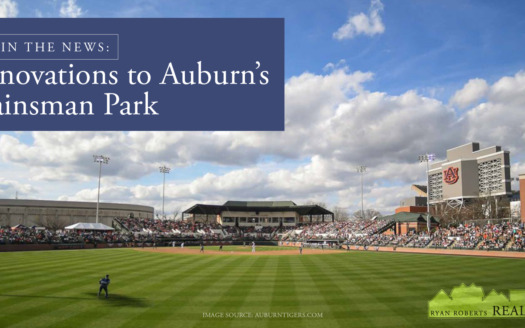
(142, 74)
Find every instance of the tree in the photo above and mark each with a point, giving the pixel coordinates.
(340, 214)
(51, 222)
(176, 213)
(322, 204)
(504, 208)
(477, 209)
(368, 214)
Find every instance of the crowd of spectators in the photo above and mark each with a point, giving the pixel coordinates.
(208, 231)
(519, 242)
(442, 238)
(495, 236)
(34, 235)
(24, 235)
(336, 230)
(420, 240)
(491, 236)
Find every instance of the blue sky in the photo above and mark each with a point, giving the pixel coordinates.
(402, 67)
(427, 44)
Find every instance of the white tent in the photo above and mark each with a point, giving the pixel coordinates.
(89, 226)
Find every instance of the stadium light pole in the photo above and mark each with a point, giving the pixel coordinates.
(427, 158)
(163, 169)
(362, 169)
(100, 159)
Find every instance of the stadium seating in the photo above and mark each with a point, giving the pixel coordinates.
(499, 236)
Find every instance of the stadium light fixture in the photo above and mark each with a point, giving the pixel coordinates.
(362, 169)
(100, 159)
(163, 169)
(427, 158)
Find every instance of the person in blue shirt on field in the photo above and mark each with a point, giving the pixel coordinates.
(104, 282)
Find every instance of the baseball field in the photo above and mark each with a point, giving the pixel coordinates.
(159, 289)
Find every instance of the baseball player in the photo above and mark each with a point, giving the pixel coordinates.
(104, 282)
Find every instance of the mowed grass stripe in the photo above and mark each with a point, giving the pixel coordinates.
(152, 286)
(77, 289)
(350, 302)
(11, 276)
(302, 288)
(284, 295)
(183, 299)
(225, 284)
(388, 284)
(369, 291)
(53, 280)
(255, 293)
(62, 314)
(211, 289)
(354, 289)
(12, 281)
(137, 294)
(236, 288)
(378, 278)
(323, 291)
(19, 261)
(426, 273)
(413, 307)
(191, 313)
(233, 290)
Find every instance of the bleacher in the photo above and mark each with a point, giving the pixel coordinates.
(500, 236)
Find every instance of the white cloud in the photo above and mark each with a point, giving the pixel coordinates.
(361, 23)
(316, 180)
(385, 199)
(10, 188)
(8, 8)
(333, 125)
(473, 91)
(501, 120)
(52, 157)
(70, 9)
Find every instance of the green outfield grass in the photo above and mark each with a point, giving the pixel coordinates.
(247, 248)
(351, 289)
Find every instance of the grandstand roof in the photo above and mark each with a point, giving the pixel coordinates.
(89, 226)
(259, 203)
(72, 205)
(421, 190)
(258, 207)
(409, 217)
